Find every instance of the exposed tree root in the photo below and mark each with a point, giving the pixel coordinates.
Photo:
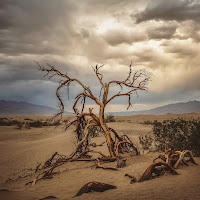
(177, 157)
(98, 165)
(157, 169)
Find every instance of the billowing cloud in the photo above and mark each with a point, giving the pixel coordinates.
(76, 35)
(178, 10)
(162, 31)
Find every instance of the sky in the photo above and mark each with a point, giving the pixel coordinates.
(74, 35)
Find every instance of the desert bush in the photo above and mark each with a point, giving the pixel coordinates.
(145, 141)
(3, 118)
(6, 122)
(28, 119)
(110, 118)
(37, 124)
(3, 121)
(148, 122)
(95, 131)
(178, 134)
(19, 125)
(27, 126)
(66, 120)
(55, 123)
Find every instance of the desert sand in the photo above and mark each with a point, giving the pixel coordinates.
(23, 149)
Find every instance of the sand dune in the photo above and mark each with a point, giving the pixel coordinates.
(22, 149)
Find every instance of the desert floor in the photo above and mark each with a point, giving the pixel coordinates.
(23, 149)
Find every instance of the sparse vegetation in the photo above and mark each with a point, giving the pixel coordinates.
(27, 126)
(146, 141)
(6, 122)
(148, 122)
(20, 125)
(110, 118)
(30, 123)
(28, 119)
(178, 134)
(95, 131)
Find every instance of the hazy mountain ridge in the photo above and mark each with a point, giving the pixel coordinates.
(24, 108)
(176, 108)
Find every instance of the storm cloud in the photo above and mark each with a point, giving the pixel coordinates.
(179, 10)
(161, 36)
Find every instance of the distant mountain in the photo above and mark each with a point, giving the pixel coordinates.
(15, 108)
(177, 108)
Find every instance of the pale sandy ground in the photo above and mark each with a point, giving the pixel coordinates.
(22, 149)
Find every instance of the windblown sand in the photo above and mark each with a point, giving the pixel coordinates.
(24, 149)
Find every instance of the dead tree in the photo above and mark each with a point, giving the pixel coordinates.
(135, 81)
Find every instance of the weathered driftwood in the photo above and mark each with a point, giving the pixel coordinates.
(182, 156)
(94, 187)
(157, 169)
(98, 165)
(175, 158)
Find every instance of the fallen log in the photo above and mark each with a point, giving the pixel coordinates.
(94, 187)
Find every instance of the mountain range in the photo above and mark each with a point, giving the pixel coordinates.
(15, 108)
(176, 108)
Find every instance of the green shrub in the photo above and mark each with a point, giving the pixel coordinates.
(148, 122)
(95, 131)
(37, 124)
(27, 125)
(178, 134)
(6, 122)
(145, 141)
(20, 125)
(110, 118)
(28, 119)
(55, 123)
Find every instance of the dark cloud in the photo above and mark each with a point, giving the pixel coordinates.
(76, 35)
(119, 36)
(178, 10)
(36, 27)
(162, 31)
(115, 37)
(182, 49)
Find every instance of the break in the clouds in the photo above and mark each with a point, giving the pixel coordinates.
(161, 36)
